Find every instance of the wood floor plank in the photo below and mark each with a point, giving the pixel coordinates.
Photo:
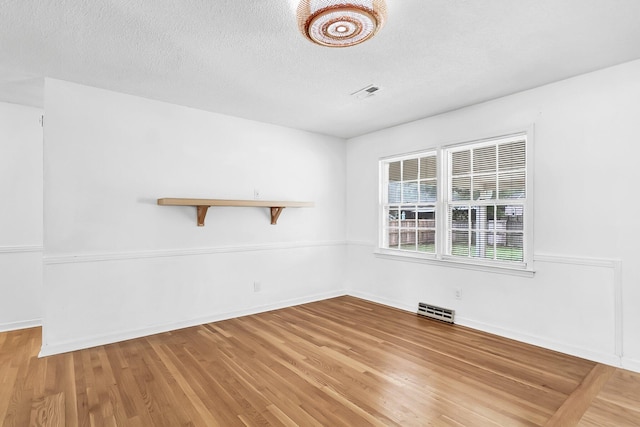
(618, 404)
(7, 389)
(69, 391)
(579, 401)
(338, 362)
(48, 411)
(200, 414)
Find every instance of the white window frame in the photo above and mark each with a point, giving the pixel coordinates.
(384, 194)
(441, 257)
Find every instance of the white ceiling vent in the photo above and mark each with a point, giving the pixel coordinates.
(366, 92)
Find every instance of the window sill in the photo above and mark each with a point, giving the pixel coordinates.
(452, 263)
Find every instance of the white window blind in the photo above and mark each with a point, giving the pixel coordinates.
(487, 199)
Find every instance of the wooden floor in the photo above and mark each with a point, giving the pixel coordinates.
(340, 362)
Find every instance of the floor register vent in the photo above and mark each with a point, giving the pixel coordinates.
(433, 312)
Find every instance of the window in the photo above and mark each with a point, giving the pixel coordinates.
(465, 203)
(410, 210)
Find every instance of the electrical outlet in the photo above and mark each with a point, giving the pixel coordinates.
(458, 293)
(257, 286)
(256, 194)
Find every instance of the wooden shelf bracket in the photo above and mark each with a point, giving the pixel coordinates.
(203, 205)
(275, 214)
(202, 213)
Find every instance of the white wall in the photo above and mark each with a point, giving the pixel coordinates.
(585, 294)
(20, 216)
(117, 265)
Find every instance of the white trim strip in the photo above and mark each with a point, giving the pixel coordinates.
(369, 244)
(119, 256)
(575, 260)
(24, 324)
(88, 342)
(20, 249)
(618, 307)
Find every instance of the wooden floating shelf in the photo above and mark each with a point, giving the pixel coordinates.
(203, 205)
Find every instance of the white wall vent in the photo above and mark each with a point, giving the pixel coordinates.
(433, 312)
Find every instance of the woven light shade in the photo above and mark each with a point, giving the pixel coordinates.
(340, 23)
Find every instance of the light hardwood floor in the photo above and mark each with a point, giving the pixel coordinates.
(339, 362)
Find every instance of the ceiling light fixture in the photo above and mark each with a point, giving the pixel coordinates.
(340, 23)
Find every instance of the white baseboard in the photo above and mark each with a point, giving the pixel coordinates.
(383, 301)
(607, 359)
(631, 364)
(88, 342)
(48, 350)
(24, 324)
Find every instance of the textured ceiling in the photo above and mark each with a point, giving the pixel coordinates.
(246, 58)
